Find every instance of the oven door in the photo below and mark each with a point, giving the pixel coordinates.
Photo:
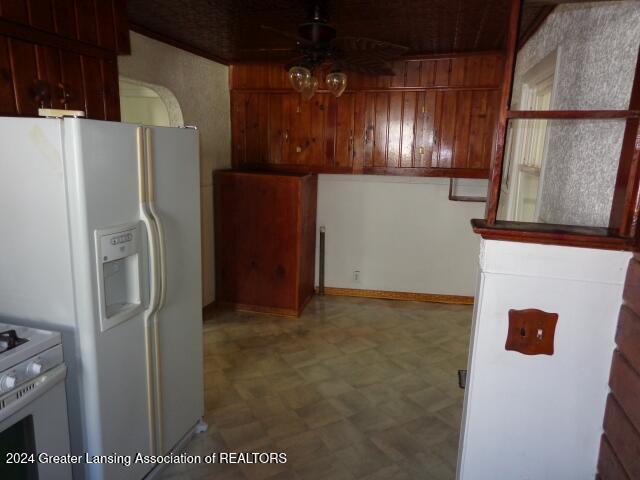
(34, 422)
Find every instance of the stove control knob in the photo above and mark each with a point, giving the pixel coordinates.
(7, 382)
(34, 369)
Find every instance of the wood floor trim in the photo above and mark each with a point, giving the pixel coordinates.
(407, 296)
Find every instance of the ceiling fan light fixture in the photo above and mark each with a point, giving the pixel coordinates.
(299, 76)
(336, 83)
(309, 88)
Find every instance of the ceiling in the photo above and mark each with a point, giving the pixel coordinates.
(229, 30)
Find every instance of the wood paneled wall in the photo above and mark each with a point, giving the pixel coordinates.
(61, 54)
(435, 116)
(620, 444)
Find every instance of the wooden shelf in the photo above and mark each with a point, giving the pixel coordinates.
(550, 234)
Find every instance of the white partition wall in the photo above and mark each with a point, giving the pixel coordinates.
(539, 416)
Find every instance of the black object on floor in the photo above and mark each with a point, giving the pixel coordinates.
(462, 378)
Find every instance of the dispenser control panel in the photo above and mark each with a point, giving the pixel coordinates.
(118, 245)
(119, 276)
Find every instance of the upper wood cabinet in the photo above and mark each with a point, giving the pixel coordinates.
(282, 130)
(102, 23)
(435, 117)
(38, 76)
(61, 54)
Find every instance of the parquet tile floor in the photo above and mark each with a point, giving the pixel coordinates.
(353, 389)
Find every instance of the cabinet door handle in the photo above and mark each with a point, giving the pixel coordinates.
(286, 135)
(367, 138)
(40, 92)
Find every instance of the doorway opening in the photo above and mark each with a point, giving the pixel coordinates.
(149, 104)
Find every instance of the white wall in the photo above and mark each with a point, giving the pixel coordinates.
(539, 417)
(401, 233)
(202, 90)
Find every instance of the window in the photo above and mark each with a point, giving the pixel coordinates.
(564, 170)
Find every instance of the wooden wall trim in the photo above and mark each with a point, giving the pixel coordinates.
(177, 43)
(495, 175)
(625, 207)
(406, 296)
(549, 234)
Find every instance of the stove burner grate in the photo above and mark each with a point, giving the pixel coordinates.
(9, 339)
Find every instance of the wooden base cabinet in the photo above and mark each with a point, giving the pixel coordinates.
(265, 236)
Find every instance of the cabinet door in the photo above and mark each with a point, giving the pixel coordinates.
(278, 128)
(238, 127)
(106, 25)
(72, 96)
(15, 10)
(482, 128)
(87, 29)
(286, 128)
(49, 71)
(111, 89)
(93, 85)
(256, 128)
(64, 17)
(424, 130)
(464, 129)
(380, 129)
(320, 137)
(7, 96)
(298, 139)
(41, 14)
(24, 71)
(344, 130)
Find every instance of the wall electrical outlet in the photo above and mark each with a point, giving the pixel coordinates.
(356, 276)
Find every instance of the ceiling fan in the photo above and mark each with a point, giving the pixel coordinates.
(318, 44)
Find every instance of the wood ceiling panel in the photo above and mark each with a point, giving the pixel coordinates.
(229, 30)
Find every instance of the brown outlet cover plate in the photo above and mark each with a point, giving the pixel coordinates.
(531, 331)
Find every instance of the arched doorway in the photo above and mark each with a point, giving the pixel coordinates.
(142, 102)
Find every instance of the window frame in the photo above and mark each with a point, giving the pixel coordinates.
(623, 232)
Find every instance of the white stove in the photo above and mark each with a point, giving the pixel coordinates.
(33, 408)
(26, 353)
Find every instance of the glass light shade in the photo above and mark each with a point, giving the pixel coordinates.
(298, 76)
(309, 88)
(336, 83)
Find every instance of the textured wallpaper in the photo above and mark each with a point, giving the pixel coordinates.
(201, 88)
(598, 47)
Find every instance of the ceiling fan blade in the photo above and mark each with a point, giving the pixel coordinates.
(291, 36)
(359, 47)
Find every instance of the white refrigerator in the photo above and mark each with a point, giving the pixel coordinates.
(100, 240)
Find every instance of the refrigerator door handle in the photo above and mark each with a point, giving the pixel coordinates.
(157, 219)
(149, 332)
(157, 372)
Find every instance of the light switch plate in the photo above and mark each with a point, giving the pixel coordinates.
(531, 331)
